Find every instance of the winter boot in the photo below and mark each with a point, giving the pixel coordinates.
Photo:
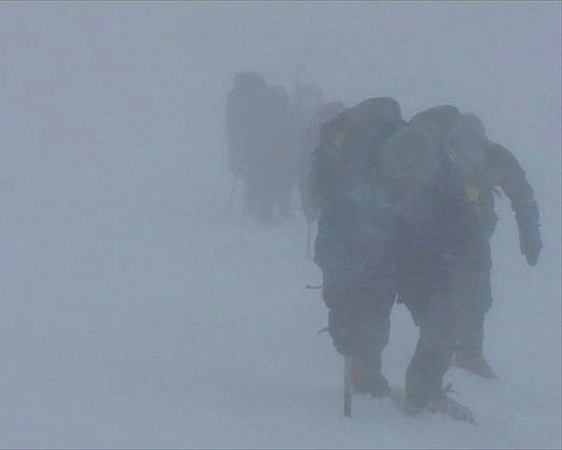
(443, 404)
(366, 378)
(454, 409)
(477, 366)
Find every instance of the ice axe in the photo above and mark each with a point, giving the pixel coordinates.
(347, 389)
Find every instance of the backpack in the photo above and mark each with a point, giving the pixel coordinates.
(371, 121)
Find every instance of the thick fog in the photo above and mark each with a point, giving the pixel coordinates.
(140, 310)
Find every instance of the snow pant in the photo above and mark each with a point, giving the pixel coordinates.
(285, 180)
(359, 321)
(438, 309)
(260, 196)
(269, 186)
(284, 197)
(471, 343)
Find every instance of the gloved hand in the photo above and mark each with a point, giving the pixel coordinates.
(531, 243)
(529, 233)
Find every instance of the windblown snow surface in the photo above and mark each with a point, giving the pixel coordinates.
(137, 312)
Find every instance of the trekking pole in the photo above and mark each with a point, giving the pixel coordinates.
(346, 390)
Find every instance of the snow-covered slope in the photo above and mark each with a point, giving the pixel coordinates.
(135, 312)
(162, 333)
